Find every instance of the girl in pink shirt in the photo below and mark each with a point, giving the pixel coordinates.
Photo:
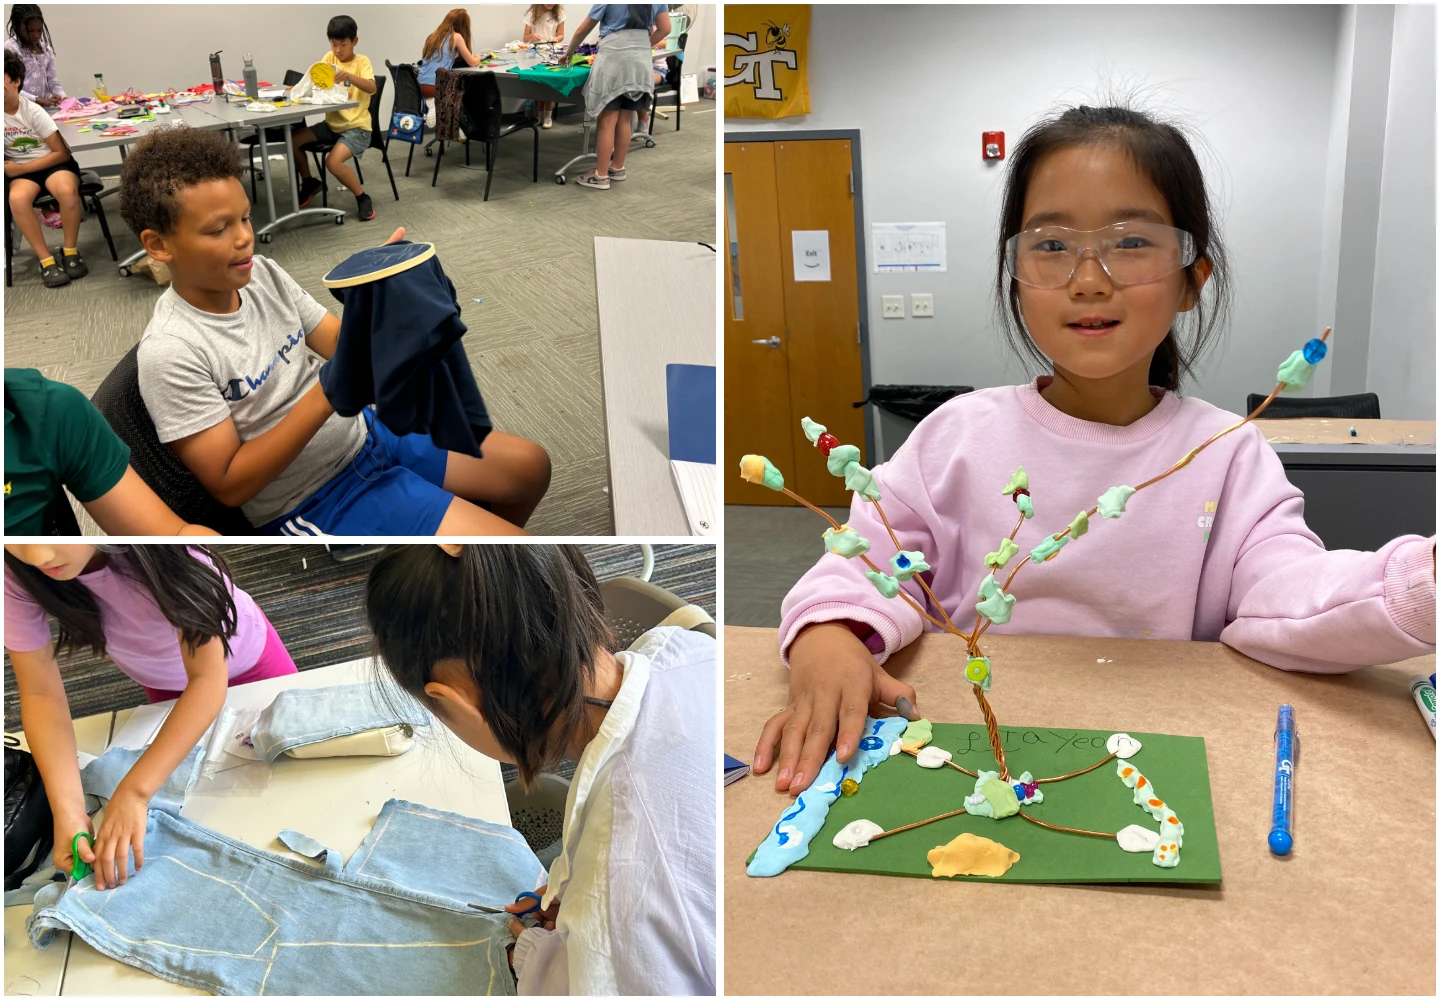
(1109, 272)
(171, 618)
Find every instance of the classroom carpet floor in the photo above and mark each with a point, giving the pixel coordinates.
(317, 606)
(767, 549)
(527, 254)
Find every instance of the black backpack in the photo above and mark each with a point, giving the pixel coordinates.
(29, 827)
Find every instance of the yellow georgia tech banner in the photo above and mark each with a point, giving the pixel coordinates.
(766, 53)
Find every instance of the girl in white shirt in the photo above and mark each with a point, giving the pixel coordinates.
(508, 646)
(544, 23)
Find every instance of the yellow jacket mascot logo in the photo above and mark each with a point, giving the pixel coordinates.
(766, 51)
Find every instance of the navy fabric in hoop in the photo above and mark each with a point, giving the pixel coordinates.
(378, 262)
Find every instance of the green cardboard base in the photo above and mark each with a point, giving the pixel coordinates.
(899, 791)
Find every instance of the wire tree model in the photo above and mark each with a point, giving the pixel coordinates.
(997, 794)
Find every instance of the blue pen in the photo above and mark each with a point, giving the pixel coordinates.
(1286, 741)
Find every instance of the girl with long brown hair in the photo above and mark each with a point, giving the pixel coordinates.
(447, 45)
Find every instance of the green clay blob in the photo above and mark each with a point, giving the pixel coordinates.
(1295, 372)
(846, 542)
(1080, 525)
(859, 479)
(996, 607)
(1018, 481)
(887, 585)
(840, 456)
(916, 735)
(906, 564)
(1000, 800)
(1026, 507)
(1003, 555)
(812, 429)
(1048, 548)
(1112, 501)
(758, 469)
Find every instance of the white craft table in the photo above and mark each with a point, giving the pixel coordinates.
(334, 800)
(640, 333)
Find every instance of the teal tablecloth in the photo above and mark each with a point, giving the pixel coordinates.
(563, 80)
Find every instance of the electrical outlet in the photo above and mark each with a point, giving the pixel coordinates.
(922, 304)
(892, 306)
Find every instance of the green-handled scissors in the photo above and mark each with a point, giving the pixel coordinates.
(81, 868)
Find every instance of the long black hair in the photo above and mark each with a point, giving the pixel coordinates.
(526, 620)
(190, 592)
(22, 14)
(1163, 154)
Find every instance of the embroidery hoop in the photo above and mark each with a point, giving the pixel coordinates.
(378, 263)
(322, 74)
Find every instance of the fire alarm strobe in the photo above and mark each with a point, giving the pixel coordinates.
(992, 145)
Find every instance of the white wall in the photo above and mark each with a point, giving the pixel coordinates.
(1401, 367)
(922, 83)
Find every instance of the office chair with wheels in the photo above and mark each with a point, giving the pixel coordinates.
(1361, 406)
(670, 87)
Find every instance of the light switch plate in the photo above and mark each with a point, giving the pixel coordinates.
(922, 304)
(893, 306)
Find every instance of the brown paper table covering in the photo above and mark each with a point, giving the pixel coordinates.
(1351, 910)
(1322, 430)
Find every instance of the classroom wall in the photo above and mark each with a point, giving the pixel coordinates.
(1401, 367)
(1258, 82)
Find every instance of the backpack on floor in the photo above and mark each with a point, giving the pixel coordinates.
(29, 827)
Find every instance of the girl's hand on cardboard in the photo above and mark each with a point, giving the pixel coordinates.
(834, 684)
(121, 831)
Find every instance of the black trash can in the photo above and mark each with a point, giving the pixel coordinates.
(901, 407)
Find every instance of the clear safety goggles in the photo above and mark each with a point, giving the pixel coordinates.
(1132, 253)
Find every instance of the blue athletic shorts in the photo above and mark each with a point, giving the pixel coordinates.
(395, 485)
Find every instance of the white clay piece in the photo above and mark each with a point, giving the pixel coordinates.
(858, 834)
(1123, 745)
(932, 757)
(1138, 839)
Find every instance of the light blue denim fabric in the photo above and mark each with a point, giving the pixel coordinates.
(454, 857)
(103, 775)
(213, 913)
(299, 716)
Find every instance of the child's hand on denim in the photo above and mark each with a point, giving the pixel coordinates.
(65, 830)
(544, 918)
(121, 831)
(834, 684)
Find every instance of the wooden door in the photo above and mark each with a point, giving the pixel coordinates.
(813, 368)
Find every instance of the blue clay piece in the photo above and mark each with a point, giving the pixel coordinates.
(1048, 548)
(840, 456)
(812, 429)
(1026, 507)
(789, 839)
(907, 564)
(886, 584)
(1295, 372)
(1315, 350)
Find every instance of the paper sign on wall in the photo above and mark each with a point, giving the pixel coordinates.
(812, 254)
(908, 246)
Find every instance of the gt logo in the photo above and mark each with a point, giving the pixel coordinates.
(758, 68)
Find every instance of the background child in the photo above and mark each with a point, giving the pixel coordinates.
(544, 23)
(37, 159)
(348, 129)
(56, 440)
(621, 79)
(508, 646)
(1106, 245)
(229, 382)
(29, 38)
(446, 43)
(172, 620)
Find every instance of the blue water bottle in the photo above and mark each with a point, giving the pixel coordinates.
(1281, 839)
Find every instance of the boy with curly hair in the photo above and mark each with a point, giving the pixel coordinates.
(229, 370)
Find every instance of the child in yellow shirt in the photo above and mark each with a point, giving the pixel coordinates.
(348, 129)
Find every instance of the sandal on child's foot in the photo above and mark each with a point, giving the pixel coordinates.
(54, 276)
(74, 265)
(363, 208)
(594, 182)
(617, 175)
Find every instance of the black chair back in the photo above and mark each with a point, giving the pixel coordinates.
(407, 88)
(480, 114)
(674, 64)
(377, 134)
(59, 518)
(1361, 406)
(293, 76)
(119, 400)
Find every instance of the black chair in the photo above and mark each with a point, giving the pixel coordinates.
(59, 518)
(1361, 406)
(482, 120)
(119, 400)
(670, 87)
(407, 99)
(274, 135)
(320, 150)
(90, 187)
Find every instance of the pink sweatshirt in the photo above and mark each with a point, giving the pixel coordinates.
(1218, 551)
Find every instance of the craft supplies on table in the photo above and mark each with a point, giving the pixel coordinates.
(1286, 742)
(1423, 689)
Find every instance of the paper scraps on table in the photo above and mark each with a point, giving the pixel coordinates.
(968, 854)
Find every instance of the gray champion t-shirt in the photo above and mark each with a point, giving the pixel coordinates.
(198, 368)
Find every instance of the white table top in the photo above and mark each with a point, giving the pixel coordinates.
(334, 800)
(213, 115)
(656, 307)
